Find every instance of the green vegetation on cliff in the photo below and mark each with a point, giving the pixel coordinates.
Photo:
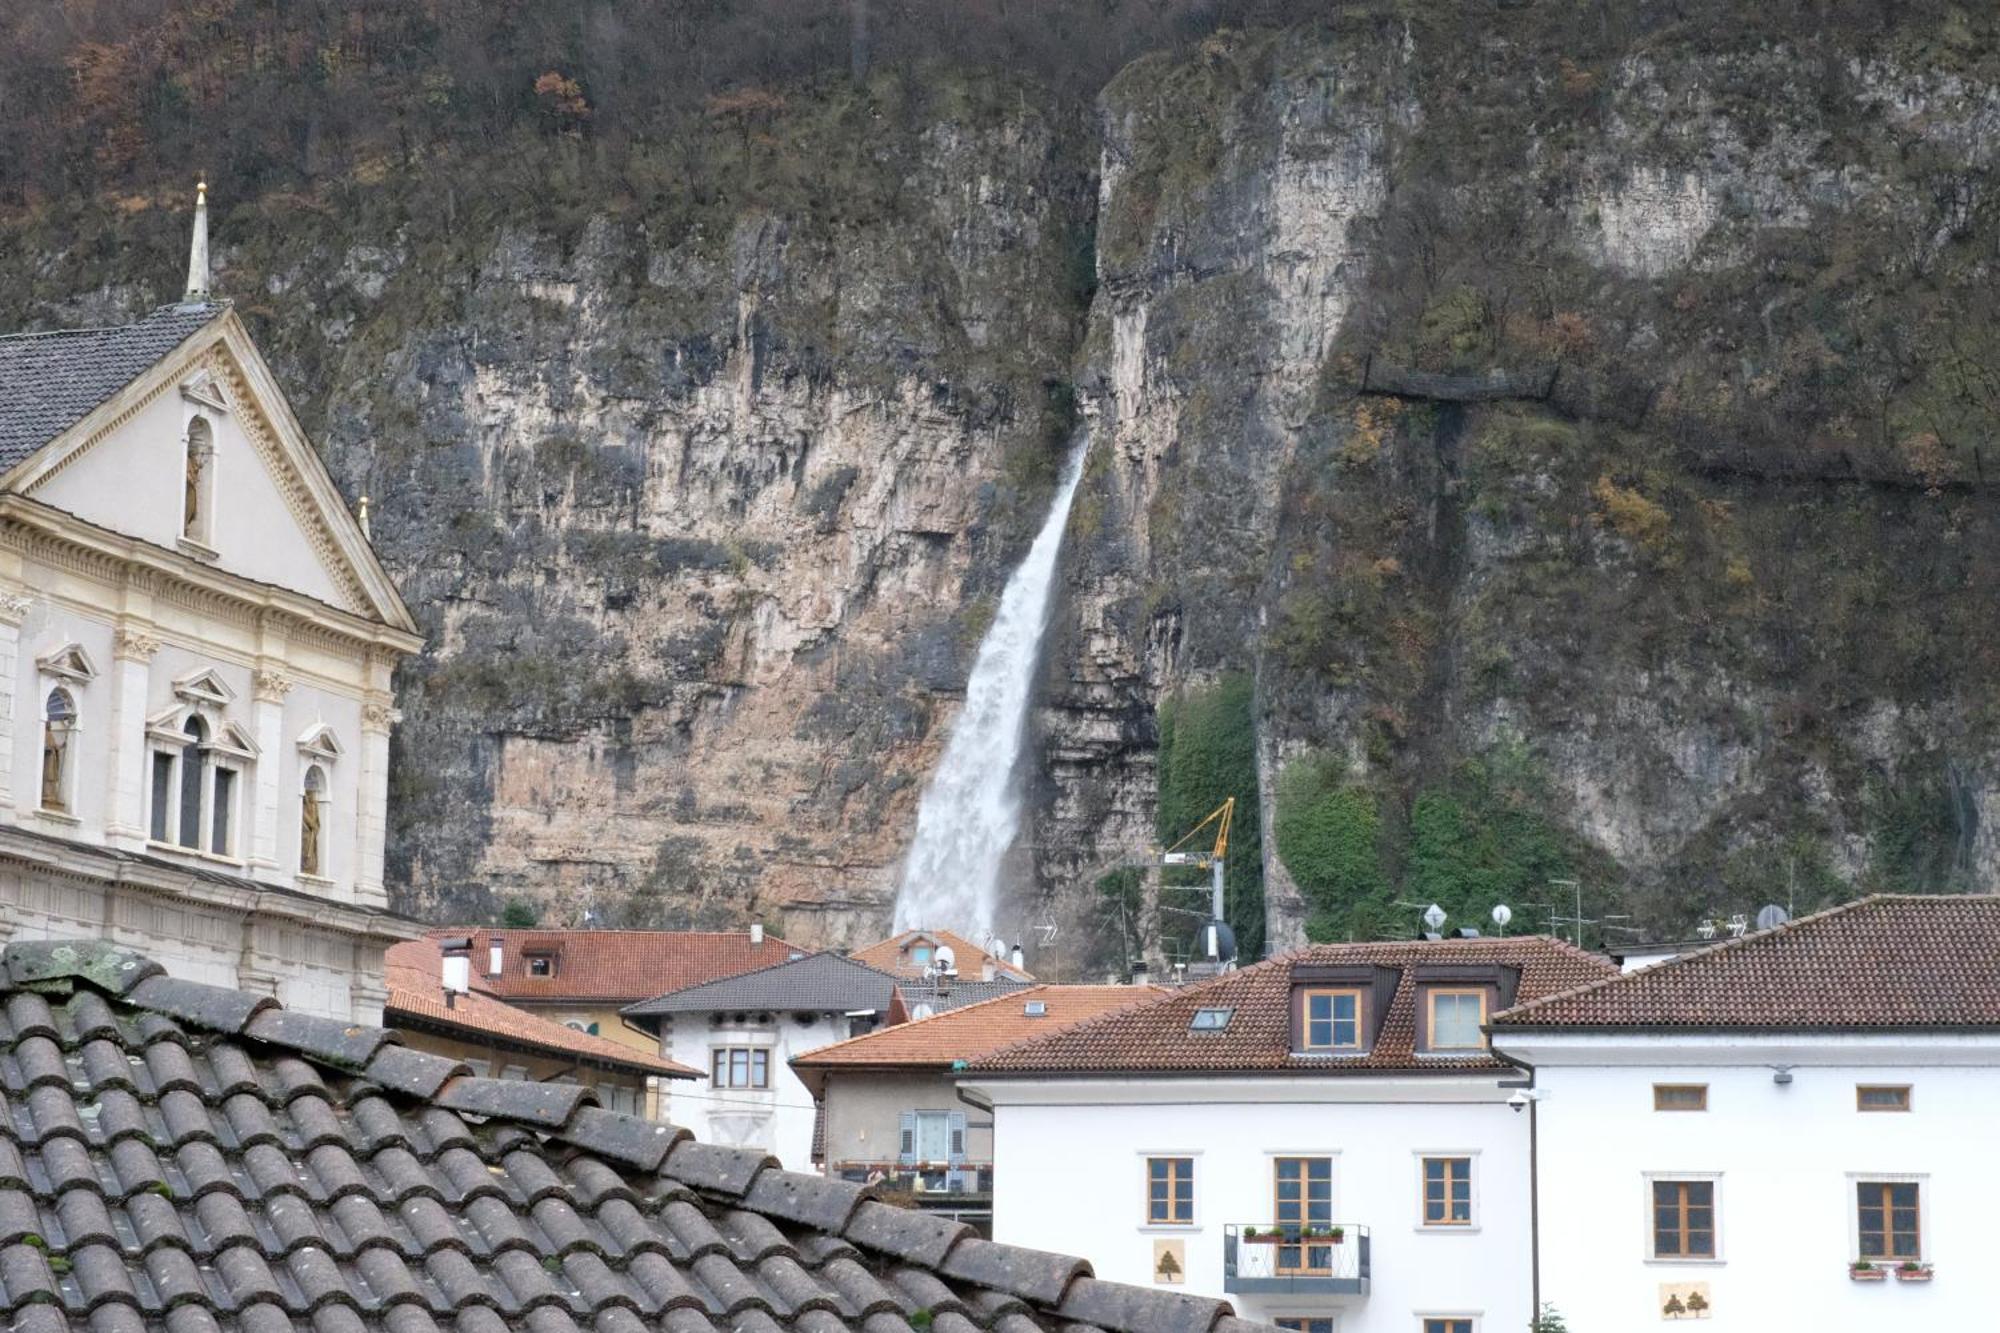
(1208, 753)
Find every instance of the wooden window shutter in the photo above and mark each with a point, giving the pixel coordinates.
(957, 1137)
(906, 1150)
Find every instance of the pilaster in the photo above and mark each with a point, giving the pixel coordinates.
(271, 685)
(14, 607)
(378, 715)
(132, 650)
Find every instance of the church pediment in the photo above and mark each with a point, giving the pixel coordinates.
(319, 742)
(205, 390)
(69, 662)
(204, 687)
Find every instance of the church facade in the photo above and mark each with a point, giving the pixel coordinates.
(196, 651)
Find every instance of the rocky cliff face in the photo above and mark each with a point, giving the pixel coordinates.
(1575, 431)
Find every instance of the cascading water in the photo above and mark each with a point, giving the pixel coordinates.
(972, 809)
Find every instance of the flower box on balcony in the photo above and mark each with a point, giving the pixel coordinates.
(1307, 1236)
(1866, 1272)
(1913, 1272)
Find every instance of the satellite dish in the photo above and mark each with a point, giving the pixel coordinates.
(1502, 915)
(1771, 916)
(947, 961)
(1434, 918)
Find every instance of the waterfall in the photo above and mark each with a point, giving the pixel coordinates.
(972, 809)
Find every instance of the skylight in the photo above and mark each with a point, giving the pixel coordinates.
(1035, 1008)
(1209, 1020)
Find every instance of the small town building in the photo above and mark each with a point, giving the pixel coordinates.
(584, 979)
(1788, 1130)
(196, 649)
(924, 954)
(890, 1111)
(205, 1160)
(1323, 1138)
(745, 1030)
(462, 1020)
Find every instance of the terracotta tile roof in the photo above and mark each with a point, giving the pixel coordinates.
(968, 957)
(182, 1158)
(414, 970)
(1155, 1038)
(974, 1030)
(1883, 963)
(614, 967)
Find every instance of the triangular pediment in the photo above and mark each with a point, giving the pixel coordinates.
(69, 662)
(204, 687)
(319, 742)
(273, 515)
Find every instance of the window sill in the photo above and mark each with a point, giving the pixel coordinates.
(315, 881)
(61, 817)
(1423, 1229)
(1685, 1263)
(193, 854)
(1170, 1229)
(200, 551)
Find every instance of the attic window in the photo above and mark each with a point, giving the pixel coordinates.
(541, 965)
(1035, 1008)
(1210, 1020)
(920, 953)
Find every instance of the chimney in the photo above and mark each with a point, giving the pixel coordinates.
(1141, 974)
(494, 958)
(986, 970)
(457, 971)
(1019, 959)
(756, 933)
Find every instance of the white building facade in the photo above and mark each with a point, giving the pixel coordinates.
(1793, 1130)
(1321, 1139)
(196, 649)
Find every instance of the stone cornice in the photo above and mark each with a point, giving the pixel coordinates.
(42, 532)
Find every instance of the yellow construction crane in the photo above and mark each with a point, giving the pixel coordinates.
(1221, 943)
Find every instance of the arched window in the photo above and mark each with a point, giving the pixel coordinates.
(312, 812)
(193, 761)
(58, 730)
(195, 498)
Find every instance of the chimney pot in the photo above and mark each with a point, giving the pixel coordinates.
(986, 970)
(756, 932)
(457, 975)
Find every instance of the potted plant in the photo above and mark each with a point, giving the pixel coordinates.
(1863, 1271)
(1254, 1236)
(1912, 1271)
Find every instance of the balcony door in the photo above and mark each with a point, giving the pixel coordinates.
(1302, 1189)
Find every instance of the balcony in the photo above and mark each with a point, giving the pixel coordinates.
(1287, 1259)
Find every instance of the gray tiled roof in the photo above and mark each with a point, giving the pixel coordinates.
(182, 1158)
(51, 381)
(956, 994)
(817, 981)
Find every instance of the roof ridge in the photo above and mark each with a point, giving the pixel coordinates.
(172, 307)
(1710, 951)
(734, 977)
(907, 1024)
(1014, 996)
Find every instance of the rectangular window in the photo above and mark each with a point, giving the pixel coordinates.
(1683, 1219)
(933, 1136)
(1305, 1324)
(163, 794)
(1882, 1097)
(741, 1067)
(1449, 1324)
(1302, 1192)
(1888, 1216)
(1680, 1096)
(225, 791)
(541, 965)
(1456, 1016)
(1447, 1191)
(192, 772)
(1332, 1020)
(1170, 1191)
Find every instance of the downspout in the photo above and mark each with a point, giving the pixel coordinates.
(1534, 1184)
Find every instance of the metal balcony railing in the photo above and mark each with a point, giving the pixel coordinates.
(1328, 1258)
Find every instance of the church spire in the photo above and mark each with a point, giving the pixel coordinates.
(197, 288)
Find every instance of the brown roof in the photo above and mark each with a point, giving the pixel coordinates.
(1884, 962)
(967, 957)
(969, 1032)
(416, 992)
(1155, 1038)
(615, 967)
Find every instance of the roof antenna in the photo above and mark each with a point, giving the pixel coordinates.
(197, 288)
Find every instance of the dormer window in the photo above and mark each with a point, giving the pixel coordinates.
(541, 964)
(1332, 1019)
(1457, 1016)
(920, 953)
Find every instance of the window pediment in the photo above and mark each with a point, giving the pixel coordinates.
(204, 389)
(204, 687)
(319, 742)
(232, 739)
(69, 662)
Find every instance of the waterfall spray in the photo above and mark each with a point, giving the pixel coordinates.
(972, 809)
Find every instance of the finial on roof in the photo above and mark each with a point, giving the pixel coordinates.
(363, 516)
(197, 288)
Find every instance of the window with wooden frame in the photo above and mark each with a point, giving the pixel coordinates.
(741, 1067)
(1888, 1219)
(1170, 1191)
(1455, 1016)
(1683, 1219)
(1302, 1199)
(1447, 1324)
(1882, 1097)
(541, 964)
(1680, 1096)
(1331, 1019)
(1447, 1191)
(1304, 1323)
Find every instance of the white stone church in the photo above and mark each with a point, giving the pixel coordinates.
(196, 645)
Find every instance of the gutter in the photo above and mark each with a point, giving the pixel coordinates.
(1534, 1184)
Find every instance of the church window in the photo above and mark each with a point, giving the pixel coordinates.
(193, 761)
(198, 484)
(194, 790)
(58, 735)
(312, 813)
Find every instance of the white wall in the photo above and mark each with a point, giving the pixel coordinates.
(1069, 1176)
(778, 1119)
(1785, 1159)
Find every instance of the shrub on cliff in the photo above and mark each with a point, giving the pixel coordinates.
(1329, 836)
